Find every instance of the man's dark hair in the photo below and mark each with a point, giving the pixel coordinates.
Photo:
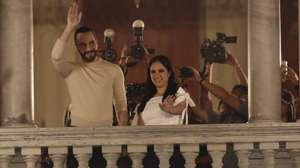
(83, 29)
(241, 88)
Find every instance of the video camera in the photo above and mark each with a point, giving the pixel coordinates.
(109, 54)
(214, 51)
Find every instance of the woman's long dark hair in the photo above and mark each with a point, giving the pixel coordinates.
(150, 87)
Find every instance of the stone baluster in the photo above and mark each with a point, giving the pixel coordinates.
(31, 155)
(190, 152)
(217, 152)
(83, 155)
(137, 154)
(269, 153)
(243, 152)
(111, 155)
(294, 148)
(58, 156)
(5, 156)
(164, 153)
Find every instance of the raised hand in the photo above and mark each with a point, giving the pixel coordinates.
(232, 60)
(168, 105)
(74, 16)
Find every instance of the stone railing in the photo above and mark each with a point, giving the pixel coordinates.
(256, 145)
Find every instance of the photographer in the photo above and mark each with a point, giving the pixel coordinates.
(289, 93)
(233, 106)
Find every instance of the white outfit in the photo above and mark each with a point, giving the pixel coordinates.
(154, 115)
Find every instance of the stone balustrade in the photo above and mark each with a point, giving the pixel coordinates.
(255, 145)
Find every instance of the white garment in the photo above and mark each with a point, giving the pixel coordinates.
(154, 115)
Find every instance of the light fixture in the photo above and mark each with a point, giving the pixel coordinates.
(137, 3)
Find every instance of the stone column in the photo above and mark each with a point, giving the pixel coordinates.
(217, 152)
(137, 154)
(298, 119)
(111, 155)
(190, 153)
(264, 60)
(16, 69)
(83, 155)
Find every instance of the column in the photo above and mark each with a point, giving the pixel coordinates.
(137, 154)
(243, 152)
(264, 60)
(298, 120)
(16, 70)
(31, 155)
(5, 156)
(294, 150)
(269, 153)
(111, 155)
(58, 156)
(164, 153)
(190, 153)
(83, 155)
(217, 152)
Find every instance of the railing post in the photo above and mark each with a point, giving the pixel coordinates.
(58, 156)
(111, 155)
(190, 152)
(164, 153)
(137, 154)
(5, 156)
(243, 151)
(83, 155)
(294, 148)
(4, 161)
(269, 153)
(31, 155)
(217, 152)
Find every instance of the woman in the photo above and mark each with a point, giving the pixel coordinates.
(165, 103)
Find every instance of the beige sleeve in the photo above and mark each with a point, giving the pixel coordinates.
(120, 100)
(59, 61)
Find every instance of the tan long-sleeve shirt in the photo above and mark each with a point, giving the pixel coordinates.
(93, 89)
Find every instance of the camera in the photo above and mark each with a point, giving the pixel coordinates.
(214, 51)
(109, 54)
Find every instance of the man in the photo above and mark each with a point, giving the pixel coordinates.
(93, 83)
(233, 107)
(289, 93)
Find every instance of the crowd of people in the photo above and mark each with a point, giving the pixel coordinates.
(97, 87)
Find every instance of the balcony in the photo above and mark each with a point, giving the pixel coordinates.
(255, 145)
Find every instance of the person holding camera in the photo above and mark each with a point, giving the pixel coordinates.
(233, 106)
(289, 93)
(94, 84)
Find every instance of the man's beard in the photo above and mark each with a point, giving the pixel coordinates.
(89, 56)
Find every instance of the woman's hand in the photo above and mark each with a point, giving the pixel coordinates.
(168, 105)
